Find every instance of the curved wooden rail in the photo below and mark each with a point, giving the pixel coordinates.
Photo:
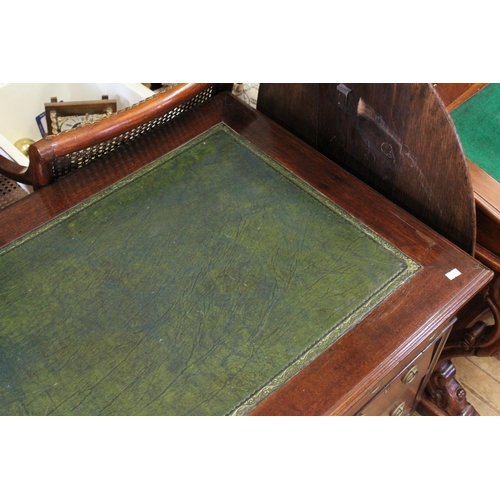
(42, 152)
(396, 137)
(13, 170)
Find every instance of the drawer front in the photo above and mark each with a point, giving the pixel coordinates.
(397, 397)
(380, 386)
(403, 406)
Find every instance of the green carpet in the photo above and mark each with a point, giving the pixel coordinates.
(478, 124)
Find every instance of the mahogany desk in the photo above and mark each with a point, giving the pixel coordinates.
(219, 266)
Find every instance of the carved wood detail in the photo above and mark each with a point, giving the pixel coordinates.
(444, 395)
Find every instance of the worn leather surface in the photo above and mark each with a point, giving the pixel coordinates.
(478, 126)
(194, 287)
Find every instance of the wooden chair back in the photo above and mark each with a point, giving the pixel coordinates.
(398, 138)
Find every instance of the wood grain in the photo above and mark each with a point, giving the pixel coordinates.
(44, 151)
(454, 94)
(480, 377)
(400, 328)
(398, 138)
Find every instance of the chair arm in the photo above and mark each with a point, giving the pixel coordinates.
(13, 170)
(42, 152)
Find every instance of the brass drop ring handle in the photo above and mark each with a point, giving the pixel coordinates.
(398, 410)
(410, 375)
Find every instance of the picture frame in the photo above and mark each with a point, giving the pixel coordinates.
(64, 116)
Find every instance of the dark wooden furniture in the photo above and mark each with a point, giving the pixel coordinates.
(399, 139)
(474, 337)
(57, 155)
(454, 94)
(375, 360)
(486, 188)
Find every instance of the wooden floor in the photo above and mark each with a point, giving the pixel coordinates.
(480, 377)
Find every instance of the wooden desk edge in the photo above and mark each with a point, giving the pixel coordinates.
(57, 198)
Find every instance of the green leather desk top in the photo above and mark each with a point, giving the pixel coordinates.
(196, 286)
(477, 121)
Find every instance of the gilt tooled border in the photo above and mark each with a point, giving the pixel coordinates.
(346, 323)
(314, 350)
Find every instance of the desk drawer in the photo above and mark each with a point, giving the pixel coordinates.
(378, 388)
(397, 397)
